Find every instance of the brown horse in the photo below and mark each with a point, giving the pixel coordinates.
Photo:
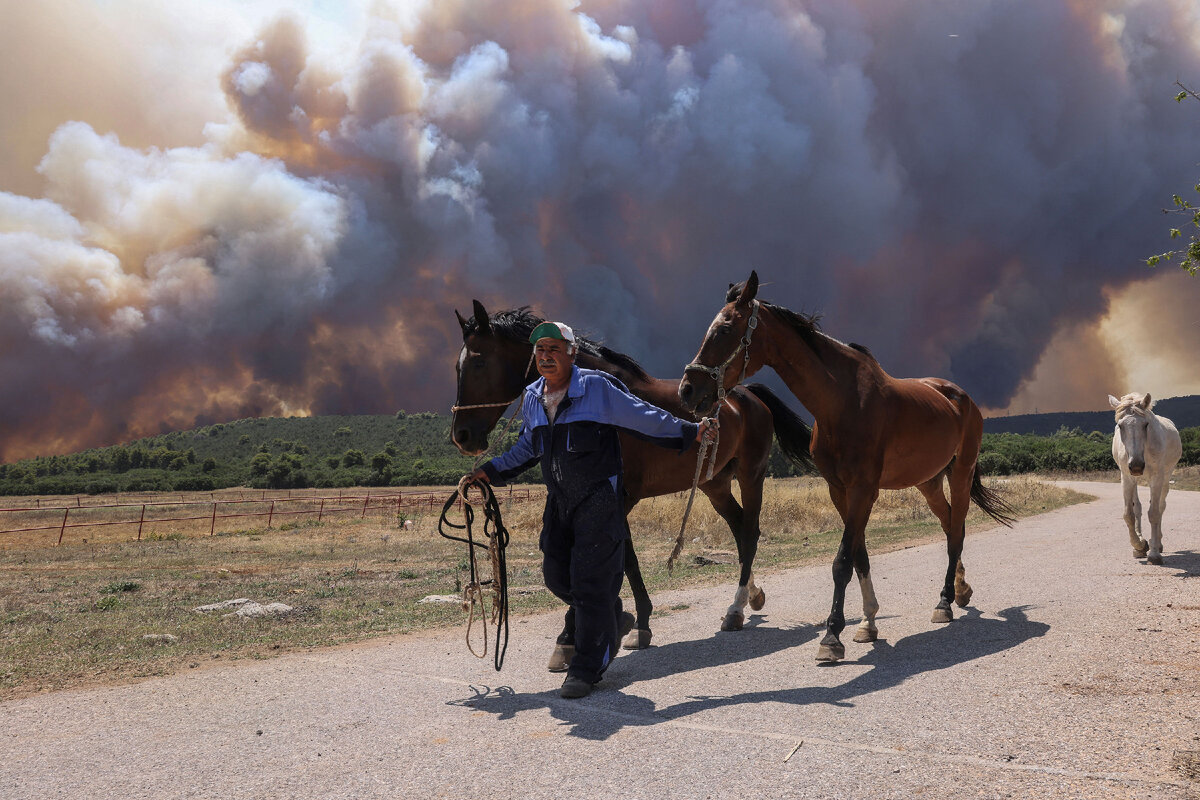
(494, 367)
(871, 432)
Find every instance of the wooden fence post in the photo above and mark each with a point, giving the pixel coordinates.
(63, 529)
(213, 528)
(271, 515)
(140, 521)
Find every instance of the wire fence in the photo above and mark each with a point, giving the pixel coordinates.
(146, 513)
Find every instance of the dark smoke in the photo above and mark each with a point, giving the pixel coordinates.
(951, 184)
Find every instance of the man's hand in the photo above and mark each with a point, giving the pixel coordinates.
(707, 432)
(477, 475)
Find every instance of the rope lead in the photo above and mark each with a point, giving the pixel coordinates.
(494, 543)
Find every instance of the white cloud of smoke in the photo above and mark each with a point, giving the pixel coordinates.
(952, 184)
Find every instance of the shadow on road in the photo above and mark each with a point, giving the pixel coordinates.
(1186, 561)
(970, 637)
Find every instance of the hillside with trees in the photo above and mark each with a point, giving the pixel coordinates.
(278, 453)
(1183, 411)
(415, 450)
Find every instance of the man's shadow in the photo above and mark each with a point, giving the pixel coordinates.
(599, 717)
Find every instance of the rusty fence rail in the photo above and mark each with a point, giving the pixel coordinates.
(220, 508)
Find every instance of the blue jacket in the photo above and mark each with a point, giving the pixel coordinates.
(581, 448)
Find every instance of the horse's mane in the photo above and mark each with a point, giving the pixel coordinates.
(518, 323)
(1131, 404)
(808, 327)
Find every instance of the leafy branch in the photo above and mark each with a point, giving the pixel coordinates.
(1189, 256)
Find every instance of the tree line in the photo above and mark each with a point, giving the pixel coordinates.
(408, 450)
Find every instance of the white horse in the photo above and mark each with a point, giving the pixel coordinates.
(1144, 443)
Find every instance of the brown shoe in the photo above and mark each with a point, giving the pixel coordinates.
(574, 688)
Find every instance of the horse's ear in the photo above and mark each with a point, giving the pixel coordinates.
(481, 318)
(1145, 401)
(750, 290)
(462, 323)
(1114, 402)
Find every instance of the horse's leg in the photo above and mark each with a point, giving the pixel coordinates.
(856, 502)
(639, 637)
(866, 632)
(935, 496)
(1159, 486)
(752, 495)
(721, 496)
(961, 475)
(564, 645)
(1133, 515)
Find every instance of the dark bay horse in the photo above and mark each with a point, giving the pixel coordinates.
(871, 432)
(493, 369)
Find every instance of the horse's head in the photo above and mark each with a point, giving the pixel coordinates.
(491, 374)
(725, 356)
(1133, 418)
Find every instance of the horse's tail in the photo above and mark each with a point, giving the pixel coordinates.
(793, 435)
(991, 502)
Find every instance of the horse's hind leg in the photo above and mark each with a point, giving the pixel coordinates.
(1133, 515)
(935, 496)
(639, 637)
(956, 587)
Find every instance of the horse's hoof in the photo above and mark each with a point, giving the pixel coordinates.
(831, 651)
(560, 659)
(733, 622)
(758, 600)
(1155, 559)
(942, 615)
(636, 639)
(1141, 550)
(964, 598)
(865, 635)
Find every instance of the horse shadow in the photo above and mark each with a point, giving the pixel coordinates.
(1186, 561)
(970, 637)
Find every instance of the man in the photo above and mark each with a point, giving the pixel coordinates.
(571, 418)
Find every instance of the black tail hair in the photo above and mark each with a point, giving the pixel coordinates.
(991, 502)
(793, 435)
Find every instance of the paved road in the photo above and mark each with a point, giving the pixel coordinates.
(1076, 673)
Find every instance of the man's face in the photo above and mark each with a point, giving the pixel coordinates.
(553, 359)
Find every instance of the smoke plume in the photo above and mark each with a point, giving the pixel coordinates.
(242, 211)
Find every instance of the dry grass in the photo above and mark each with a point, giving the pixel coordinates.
(77, 614)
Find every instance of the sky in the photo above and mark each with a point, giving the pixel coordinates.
(242, 208)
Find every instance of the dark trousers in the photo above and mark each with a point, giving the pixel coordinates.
(583, 549)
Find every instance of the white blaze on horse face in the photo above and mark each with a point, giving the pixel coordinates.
(462, 362)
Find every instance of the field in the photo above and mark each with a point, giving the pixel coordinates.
(101, 610)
